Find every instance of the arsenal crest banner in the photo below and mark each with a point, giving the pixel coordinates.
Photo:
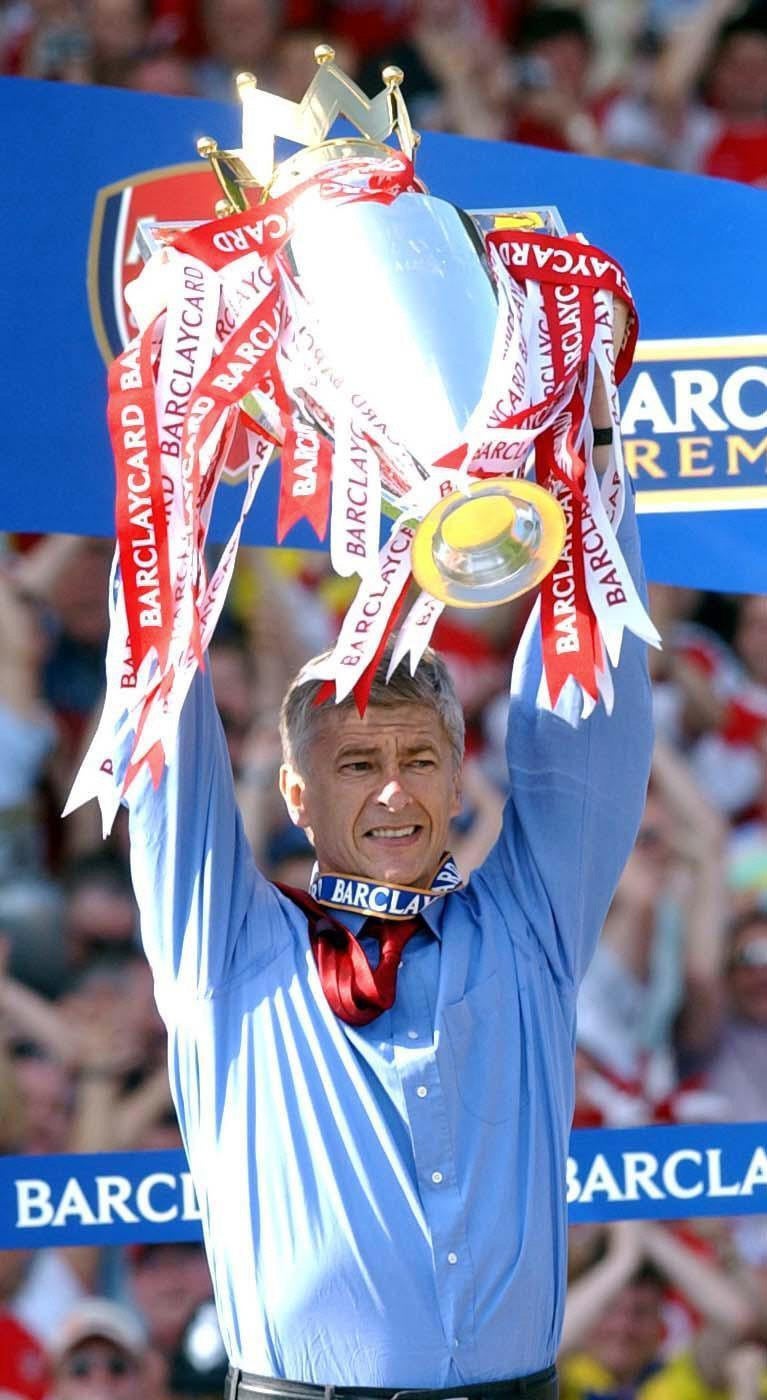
(693, 407)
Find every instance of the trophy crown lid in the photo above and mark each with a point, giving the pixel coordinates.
(330, 94)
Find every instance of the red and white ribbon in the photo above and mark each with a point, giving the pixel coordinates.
(223, 324)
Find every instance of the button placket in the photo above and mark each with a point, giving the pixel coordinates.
(418, 1067)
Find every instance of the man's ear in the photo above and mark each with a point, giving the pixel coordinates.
(292, 787)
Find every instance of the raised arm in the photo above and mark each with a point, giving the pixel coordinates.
(577, 794)
(206, 912)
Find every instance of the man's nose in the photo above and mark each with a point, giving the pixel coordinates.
(392, 795)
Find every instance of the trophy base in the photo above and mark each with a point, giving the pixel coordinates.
(489, 546)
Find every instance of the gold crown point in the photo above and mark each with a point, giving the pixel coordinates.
(223, 209)
(266, 116)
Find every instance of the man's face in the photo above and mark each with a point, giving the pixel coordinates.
(378, 792)
(627, 1338)
(98, 1370)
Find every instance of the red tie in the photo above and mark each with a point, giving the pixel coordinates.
(356, 992)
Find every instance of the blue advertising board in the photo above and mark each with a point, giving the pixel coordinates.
(661, 1173)
(694, 405)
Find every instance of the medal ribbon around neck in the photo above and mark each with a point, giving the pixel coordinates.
(379, 899)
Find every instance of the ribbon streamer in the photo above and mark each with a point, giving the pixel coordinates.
(223, 323)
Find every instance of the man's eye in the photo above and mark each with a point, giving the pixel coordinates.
(422, 763)
(356, 765)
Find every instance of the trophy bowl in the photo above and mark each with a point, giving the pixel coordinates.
(401, 310)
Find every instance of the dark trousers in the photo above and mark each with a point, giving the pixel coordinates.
(240, 1385)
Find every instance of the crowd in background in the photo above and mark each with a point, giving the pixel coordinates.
(673, 1012)
(678, 83)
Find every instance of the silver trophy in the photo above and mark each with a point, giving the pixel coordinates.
(399, 311)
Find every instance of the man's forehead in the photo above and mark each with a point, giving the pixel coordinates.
(410, 721)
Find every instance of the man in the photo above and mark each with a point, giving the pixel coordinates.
(99, 1353)
(380, 1156)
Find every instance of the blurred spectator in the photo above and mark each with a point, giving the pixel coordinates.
(118, 29)
(100, 911)
(695, 660)
(736, 1065)
(295, 65)
(612, 1341)
(27, 731)
(99, 1353)
(740, 726)
(74, 670)
(239, 36)
(47, 1095)
(365, 24)
(168, 1282)
(46, 40)
(458, 74)
(374, 26)
(718, 706)
(10, 1104)
(659, 960)
(30, 901)
(554, 78)
(712, 76)
(162, 69)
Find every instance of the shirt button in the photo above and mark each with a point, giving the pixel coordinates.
(436, 1177)
(422, 1091)
(412, 1035)
(452, 1259)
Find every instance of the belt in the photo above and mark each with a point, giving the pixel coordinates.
(241, 1385)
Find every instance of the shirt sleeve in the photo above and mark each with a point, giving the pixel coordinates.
(207, 913)
(577, 794)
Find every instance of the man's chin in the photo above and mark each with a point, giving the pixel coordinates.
(397, 872)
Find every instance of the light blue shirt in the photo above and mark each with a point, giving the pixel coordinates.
(385, 1205)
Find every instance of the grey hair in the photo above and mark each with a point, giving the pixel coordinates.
(431, 685)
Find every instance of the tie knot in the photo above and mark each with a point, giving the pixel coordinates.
(392, 934)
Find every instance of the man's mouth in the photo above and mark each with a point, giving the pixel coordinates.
(392, 833)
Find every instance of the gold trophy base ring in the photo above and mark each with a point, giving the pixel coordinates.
(483, 548)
